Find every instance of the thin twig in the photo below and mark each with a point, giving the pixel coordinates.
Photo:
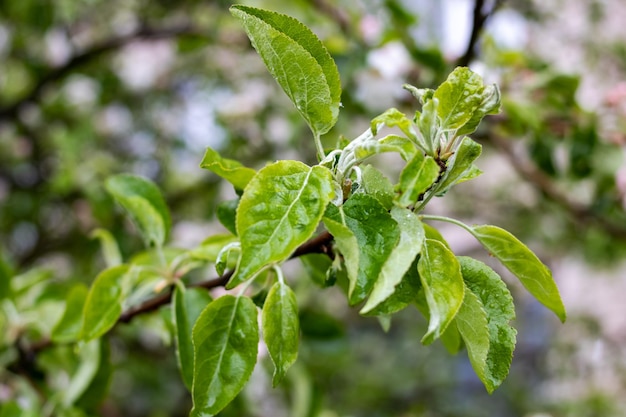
(479, 18)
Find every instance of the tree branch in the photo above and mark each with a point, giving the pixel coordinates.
(56, 74)
(529, 172)
(479, 18)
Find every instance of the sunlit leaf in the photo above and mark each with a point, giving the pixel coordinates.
(394, 118)
(524, 264)
(298, 61)
(225, 340)
(281, 328)
(458, 98)
(489, 104)
(390, 143)
(279, 210)
(443, 286)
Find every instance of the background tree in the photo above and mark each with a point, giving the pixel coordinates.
(90, 89)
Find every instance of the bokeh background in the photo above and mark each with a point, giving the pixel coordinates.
(90, 88)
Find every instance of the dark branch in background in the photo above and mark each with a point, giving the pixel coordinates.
(479, 18)
(57, 74)
(529, 172)
(335, 13)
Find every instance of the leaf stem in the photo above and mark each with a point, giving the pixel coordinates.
(448, 220)
(318, 145)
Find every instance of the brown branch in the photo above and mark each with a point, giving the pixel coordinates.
(57, 74)
(479, 18)
(529, 172)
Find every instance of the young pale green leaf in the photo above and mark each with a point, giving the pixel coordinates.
(281, 328)
(226, 213)
(524, 264)
(433, 233)
(460, 165)
(471, 322)
(187, 304)
(143, 201)
(69, 327)
(451, 340)
(104, 302)
(377, 185)
(459, 97)
(110, 249)
(394, 118)
(416, 177)
(443, 285)
(376, 233)
(279, 210)
(225, 341)
(232, 171)
(490, 104)
(298, 61)
(429, 126)
(497, 303)
(400, 259)
(390, 143)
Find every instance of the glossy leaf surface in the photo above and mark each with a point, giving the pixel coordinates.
(400, 259)
(281, 328)
(187, 304)
(497, 303)
(225, 340)
(376, 233)
(416, 177)
(144, 203)
(279, 210)
(298, 61)
(232, 171)
(458, 98)
(524, 264)
(443, 286)
(104, 302)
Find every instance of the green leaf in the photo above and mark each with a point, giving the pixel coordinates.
(210, 248)
(524, 264)
(96, 392)
(394, 118)
(89, 362)
(104, 302)
(225, 340)
(110, 249)
(418, 175)
(443, 285)
(390, 143)
(451, 339)
(187, 304)
(460, 165)
(497, 303)
(489, 104)
(377, 185)
(298, 61)
(429, 124)
(459, 97)
(376, 233)
(281, 328)
(471, 322)
(317, 266)
(400, 259)
(69, 326)
(405, 293)
(279, 210)
(226, 212)
(433, 233)
(144, 203)
(345, 242)
(5, 278)
(232, 171)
